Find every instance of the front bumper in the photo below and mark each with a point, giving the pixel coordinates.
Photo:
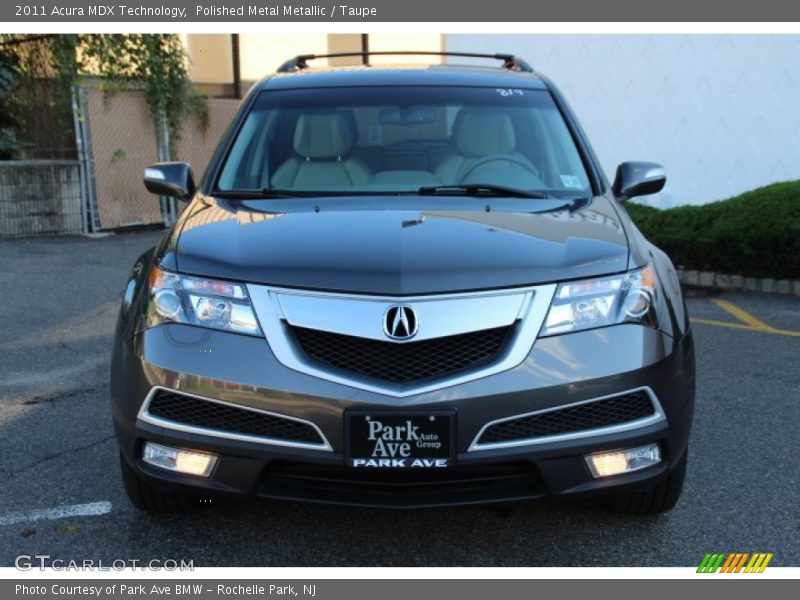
(559, 371)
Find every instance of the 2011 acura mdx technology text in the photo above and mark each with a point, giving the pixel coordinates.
(404, 287)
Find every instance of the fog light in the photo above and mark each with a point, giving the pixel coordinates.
(190, 462)
(605, 464)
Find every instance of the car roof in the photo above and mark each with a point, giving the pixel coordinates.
(438, 74)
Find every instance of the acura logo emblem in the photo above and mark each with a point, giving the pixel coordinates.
(400, 322)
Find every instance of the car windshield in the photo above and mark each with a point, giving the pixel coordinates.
(392, 139)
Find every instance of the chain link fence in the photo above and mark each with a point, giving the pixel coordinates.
(73, 158)
(124, 140)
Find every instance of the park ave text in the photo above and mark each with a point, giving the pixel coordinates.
(137, 11)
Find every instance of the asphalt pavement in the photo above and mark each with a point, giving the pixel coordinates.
(58, 302)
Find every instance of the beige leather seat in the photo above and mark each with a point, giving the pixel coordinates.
(322, 143)
(485, 152)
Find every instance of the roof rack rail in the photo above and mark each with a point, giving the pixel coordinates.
(510, 62)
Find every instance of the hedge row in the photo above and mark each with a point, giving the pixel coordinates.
(755, 234)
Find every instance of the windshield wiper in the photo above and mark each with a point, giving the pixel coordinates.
(480, 189)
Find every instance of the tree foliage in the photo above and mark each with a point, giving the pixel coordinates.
(36, 114)
(155, 63)
(9, 68)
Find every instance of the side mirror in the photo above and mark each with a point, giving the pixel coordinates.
(173, 179)
(638, 179)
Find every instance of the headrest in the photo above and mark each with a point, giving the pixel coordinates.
(481, 133)
(325, 135)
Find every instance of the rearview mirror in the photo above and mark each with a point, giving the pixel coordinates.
(414, 115)
(174, 179)
(638, 179)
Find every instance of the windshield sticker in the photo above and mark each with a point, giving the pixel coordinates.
(506, 92)
(572, 182)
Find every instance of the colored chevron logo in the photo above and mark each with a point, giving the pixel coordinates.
(734, 562)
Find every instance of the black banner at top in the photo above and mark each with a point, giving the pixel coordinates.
(370, 11)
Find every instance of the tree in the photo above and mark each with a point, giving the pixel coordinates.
(9, 65)
(155, 63)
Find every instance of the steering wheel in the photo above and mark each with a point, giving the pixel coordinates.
(500, 158)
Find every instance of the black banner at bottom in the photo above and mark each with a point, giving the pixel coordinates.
(388, 589)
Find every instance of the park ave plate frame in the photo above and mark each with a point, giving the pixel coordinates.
(406, 427)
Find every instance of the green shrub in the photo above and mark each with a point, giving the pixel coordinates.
(756, 233)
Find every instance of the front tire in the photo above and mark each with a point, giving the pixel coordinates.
(148, 498)
(659, 498)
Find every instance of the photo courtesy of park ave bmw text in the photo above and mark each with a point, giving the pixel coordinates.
(400, 287)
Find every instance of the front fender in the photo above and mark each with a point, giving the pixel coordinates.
(130, 315)
(134, 293)
(673, 295)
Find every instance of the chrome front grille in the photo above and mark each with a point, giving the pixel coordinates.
(457, 337)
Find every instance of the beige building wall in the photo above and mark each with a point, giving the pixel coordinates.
(260, 55)
(342, 42)
(423, 42)
(211, 55)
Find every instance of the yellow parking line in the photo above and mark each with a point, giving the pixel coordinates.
(722, 324)
(748, 321)
(742, 315)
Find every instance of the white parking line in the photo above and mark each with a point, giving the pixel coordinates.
(73, 510)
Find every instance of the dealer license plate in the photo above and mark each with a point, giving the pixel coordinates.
(399, 440)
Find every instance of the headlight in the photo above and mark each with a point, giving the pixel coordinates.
(196, 301)
(591, 303)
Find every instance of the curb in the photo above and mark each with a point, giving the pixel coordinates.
(738, 283)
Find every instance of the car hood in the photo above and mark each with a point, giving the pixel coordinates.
(398, 245)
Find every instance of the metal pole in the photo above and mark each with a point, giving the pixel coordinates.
(237, 67)
(168, 208)
(94, 222)
(79, 146)
(365, 49)
(83, 143)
